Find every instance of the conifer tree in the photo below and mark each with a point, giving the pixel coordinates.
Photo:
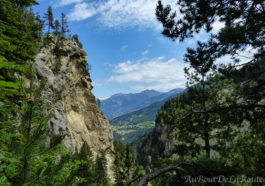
(126, 167)
(57, 26)
(49, 17)
(40, 22)
(243, 28)
(76, 39)
(64, 26)
(86, 167)
(17, 36)
(101, 176)
(232, 39)
(17, 46)
(35, 159)
(25, 3)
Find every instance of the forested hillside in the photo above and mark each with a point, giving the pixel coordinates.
(129, 127)
(147, 113)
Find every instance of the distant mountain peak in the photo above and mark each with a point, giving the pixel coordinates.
(119, 104)
(149, 90)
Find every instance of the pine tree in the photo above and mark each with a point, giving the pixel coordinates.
(17, 46)
(25, 3)
(126, 167)
(49, 17)
(40, 22)
(230, 40)
(35, 159)
(243, 28)
(57, 26)
(76, 39)
(64, 26)
(207, 90)
(101, 176)
(86, 167)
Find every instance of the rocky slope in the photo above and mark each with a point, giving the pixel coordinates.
(75, 109)
(157, 143)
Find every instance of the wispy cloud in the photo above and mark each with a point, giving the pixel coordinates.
(121, 13)
(96, 84)
(243, 56)
(124, 47)
(103, 98)
(82, 11)
(67, 2)
(157, 73)
(145, 52)
(117, 13)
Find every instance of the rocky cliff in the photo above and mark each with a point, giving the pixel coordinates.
(157, 143)
(76, 112)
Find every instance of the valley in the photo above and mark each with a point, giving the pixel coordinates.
(131, 132)
(130, 126)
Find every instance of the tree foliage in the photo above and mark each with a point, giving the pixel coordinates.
(64, 25)
(76, 39)
(57, 26)
(222, 112)
(49, 17)
(26, 156)
(17, 45)
(126, 167)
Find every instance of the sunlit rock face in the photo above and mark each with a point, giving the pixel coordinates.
(75, 108)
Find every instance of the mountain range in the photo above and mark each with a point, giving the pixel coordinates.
(120, 104)
(135, 113)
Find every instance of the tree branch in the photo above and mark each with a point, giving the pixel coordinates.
(1, 21)
(134, 179)
(148, 177)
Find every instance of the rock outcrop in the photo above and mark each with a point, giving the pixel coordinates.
(157, 143)
(76, 111)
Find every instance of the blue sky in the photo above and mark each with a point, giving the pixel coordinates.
(124, 44)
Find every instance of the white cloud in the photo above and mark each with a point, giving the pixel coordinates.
(119, 13)
(145, 52)
(68, 2)
(217, 25)
(122, 13)
(124, 47)
(243, 56)
(157, 73)
(82, 11)
(103, 98)
(96, 84)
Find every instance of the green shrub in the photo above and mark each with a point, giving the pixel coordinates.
(58, 65)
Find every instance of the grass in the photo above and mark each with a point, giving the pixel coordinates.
(131, 132)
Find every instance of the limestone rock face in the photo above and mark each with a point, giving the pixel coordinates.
(158, 143)
(76, 111)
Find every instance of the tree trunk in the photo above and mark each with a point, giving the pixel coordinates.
(207, 143)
